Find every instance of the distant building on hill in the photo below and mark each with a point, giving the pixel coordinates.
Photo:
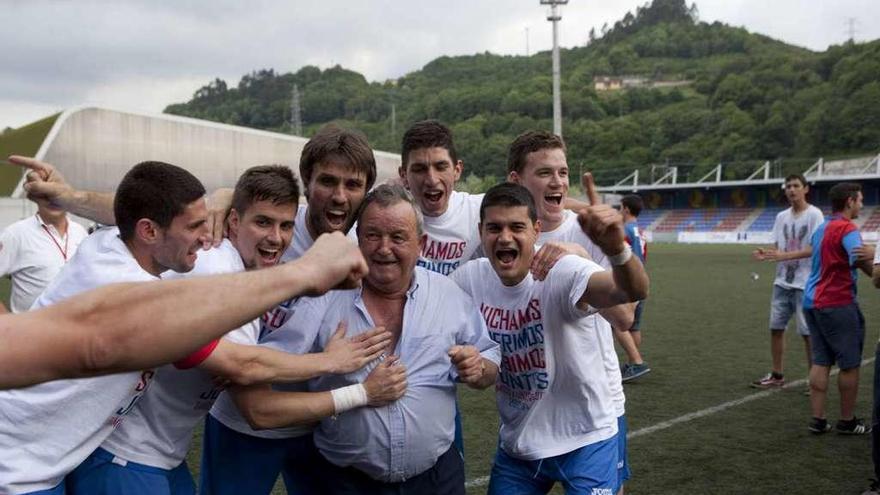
(616, 83)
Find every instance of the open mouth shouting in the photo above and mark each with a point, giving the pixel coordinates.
(433, 198)
(506, 257)
(269, 255)
(553, 199)
(336, 218)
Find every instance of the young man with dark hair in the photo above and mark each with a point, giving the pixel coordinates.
(146, 453)
(559, 422)
(837, 327)
(630, 207)
(337, 167)
(49, 429)
(429, 168)
(792, 235)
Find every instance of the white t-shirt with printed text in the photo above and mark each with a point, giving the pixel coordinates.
(453, 238)
(47, 430)
(158, 431)
(792, 233)
(552, 392)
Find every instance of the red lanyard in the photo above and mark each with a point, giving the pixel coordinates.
(63, 250)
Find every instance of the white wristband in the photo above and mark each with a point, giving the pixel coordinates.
(622, 257)
(348, 398)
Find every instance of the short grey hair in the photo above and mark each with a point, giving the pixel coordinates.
(387, 195)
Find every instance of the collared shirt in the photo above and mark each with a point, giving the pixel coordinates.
(32, 253)
(401, 440)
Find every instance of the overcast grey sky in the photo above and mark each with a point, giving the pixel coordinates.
(141, 56)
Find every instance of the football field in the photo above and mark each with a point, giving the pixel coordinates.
(695, 425)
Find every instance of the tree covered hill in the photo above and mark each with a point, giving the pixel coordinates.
(741, 97)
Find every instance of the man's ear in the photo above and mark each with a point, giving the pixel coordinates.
(234, 222)
(513, 177)
(147, 231)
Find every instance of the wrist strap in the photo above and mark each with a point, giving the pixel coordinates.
(622, 257)
(348, 398)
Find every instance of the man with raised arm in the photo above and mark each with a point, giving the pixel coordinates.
(537, 161)
(558, 417)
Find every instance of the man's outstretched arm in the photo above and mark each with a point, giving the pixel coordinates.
(134, 326)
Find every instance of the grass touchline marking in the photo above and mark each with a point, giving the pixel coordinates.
(482, 480)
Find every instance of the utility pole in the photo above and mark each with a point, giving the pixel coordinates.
(527, 41)
(851, 29)
(555, 17)
(296, 125)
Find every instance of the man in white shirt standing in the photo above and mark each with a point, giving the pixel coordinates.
(33, 250)
(558, 418)
(792, 234)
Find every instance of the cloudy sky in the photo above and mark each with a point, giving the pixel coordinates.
(141, 56)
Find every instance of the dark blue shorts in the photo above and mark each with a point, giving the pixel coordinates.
(837, 335)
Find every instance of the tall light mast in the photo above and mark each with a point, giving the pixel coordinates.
(555, 17)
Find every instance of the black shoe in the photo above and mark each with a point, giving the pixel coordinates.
(819, 426)
(854, 426)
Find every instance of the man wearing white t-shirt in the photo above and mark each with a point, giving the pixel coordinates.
(337, 167)
(792, 234)
(429, 169)
(48, 429)
(33, 250)
(558, 418)
(536, 160)
(145, 454)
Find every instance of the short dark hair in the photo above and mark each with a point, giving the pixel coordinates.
(840, 193)
(529, 142)
(633, 203)
(427, 134)
(387, 195)
(275, 183)
(332, 141)
(155, 190)
(508, 194)
(798, 177)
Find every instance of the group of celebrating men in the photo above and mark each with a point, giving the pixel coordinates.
(336, 330)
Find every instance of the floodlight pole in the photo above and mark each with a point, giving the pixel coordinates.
(555, 17)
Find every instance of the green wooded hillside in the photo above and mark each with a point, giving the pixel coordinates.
(748, 98)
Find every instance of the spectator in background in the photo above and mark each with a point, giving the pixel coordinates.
(33, 251)
(630, 207)
(792, 234)
(837, 327)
